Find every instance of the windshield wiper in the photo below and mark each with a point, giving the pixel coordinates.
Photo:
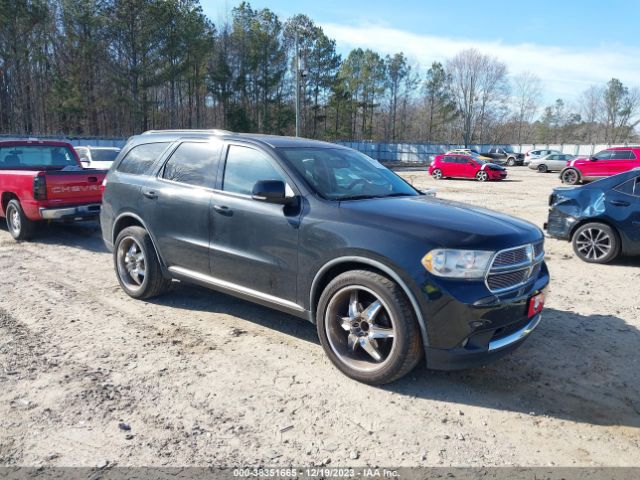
(356, 197)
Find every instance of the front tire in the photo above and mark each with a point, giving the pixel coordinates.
(596, 243)
(542, 168)
(437, 174)
(367, 327)
(137, 265)
(511, 162)
(482, 176)
(20, 227)
(570, 176)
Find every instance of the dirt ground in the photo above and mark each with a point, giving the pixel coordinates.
(90, 377)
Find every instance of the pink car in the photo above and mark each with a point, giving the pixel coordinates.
(603, 164)
(465, 166)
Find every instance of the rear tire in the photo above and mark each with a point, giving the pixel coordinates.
(511, 161)
(542, 168)
(437, 174)
(137, 265)
(20, 227)
(367, 327)
(570, 176)
(596, 243)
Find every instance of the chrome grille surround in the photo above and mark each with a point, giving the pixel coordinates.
(514, 267)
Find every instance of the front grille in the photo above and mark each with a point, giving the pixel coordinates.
(525, 262)
(538, 249)
(499, 281)
(510, 257)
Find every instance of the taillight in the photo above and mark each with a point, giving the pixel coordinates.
(40, 187)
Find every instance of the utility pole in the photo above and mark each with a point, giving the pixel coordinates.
(297, 87)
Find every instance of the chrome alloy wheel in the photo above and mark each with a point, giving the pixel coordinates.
(131, 263)
(14, 220)
(482, 176)
(360, 328)
(594, 243)
(437, 174)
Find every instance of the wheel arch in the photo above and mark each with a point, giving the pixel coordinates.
(584, 221)
(339, 265)
(5, 199)
(130, 219)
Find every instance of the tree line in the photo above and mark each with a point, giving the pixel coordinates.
(119, 67)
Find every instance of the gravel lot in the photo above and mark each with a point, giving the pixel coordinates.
(89, 376)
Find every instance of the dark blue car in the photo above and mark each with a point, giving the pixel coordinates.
(601, 219)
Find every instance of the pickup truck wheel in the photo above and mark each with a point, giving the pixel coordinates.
(570, 176)
(482, 176)
(596, 243)
(542, 168)
(437, 174)
(20, 227)
(511, 162)
(367, 327)
(137, 266)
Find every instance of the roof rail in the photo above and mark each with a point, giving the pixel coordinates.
(212, 131)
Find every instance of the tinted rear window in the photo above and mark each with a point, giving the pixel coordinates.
(140, 158)
(104, 155)
(31, 156)
(193, 163)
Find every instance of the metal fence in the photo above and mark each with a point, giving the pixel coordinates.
(381, 151)
(424, 152)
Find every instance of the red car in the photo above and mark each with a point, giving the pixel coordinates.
(606, 163)
(44, 180)
(465, 166)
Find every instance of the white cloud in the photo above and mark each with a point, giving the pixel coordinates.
(564, 72)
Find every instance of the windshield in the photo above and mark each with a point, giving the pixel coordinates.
(104, 155)
(477, 158)
(341, 174)
(41, 156)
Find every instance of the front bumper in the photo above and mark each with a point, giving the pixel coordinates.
(461, 358)
(75, 213)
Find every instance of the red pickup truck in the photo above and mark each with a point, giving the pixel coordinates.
(44, 180)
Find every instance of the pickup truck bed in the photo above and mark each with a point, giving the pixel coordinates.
(30, 193)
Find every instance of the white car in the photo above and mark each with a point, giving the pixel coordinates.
(539, 153)
(550, 163)
(97, 157)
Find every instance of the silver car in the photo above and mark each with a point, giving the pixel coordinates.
(538, 153)
(554, 162)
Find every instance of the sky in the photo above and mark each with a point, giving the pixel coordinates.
(569, 45)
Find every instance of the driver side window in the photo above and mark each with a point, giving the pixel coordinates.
(603, 155)
(244, 167)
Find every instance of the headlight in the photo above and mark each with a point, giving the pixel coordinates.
(445, 262)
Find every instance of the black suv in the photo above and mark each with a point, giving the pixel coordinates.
(505, 155)
(325, 233)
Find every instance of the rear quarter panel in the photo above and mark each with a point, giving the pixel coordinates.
(17, 183)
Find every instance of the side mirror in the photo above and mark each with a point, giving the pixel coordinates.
(429, 193)
(472, 164)
(85, 163)
(270, 191)
(592, 159)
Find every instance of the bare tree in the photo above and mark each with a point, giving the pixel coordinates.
(620, 106)
(478, 84)
(527, 93)
(590, 107)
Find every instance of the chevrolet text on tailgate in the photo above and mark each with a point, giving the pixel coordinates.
(44, 180)
(389, 275)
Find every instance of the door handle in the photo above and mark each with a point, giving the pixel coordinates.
(223, 210)
(152, 194)
(619, 203)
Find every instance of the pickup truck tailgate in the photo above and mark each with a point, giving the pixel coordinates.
(74, 187)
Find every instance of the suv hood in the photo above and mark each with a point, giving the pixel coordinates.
(445, 223)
